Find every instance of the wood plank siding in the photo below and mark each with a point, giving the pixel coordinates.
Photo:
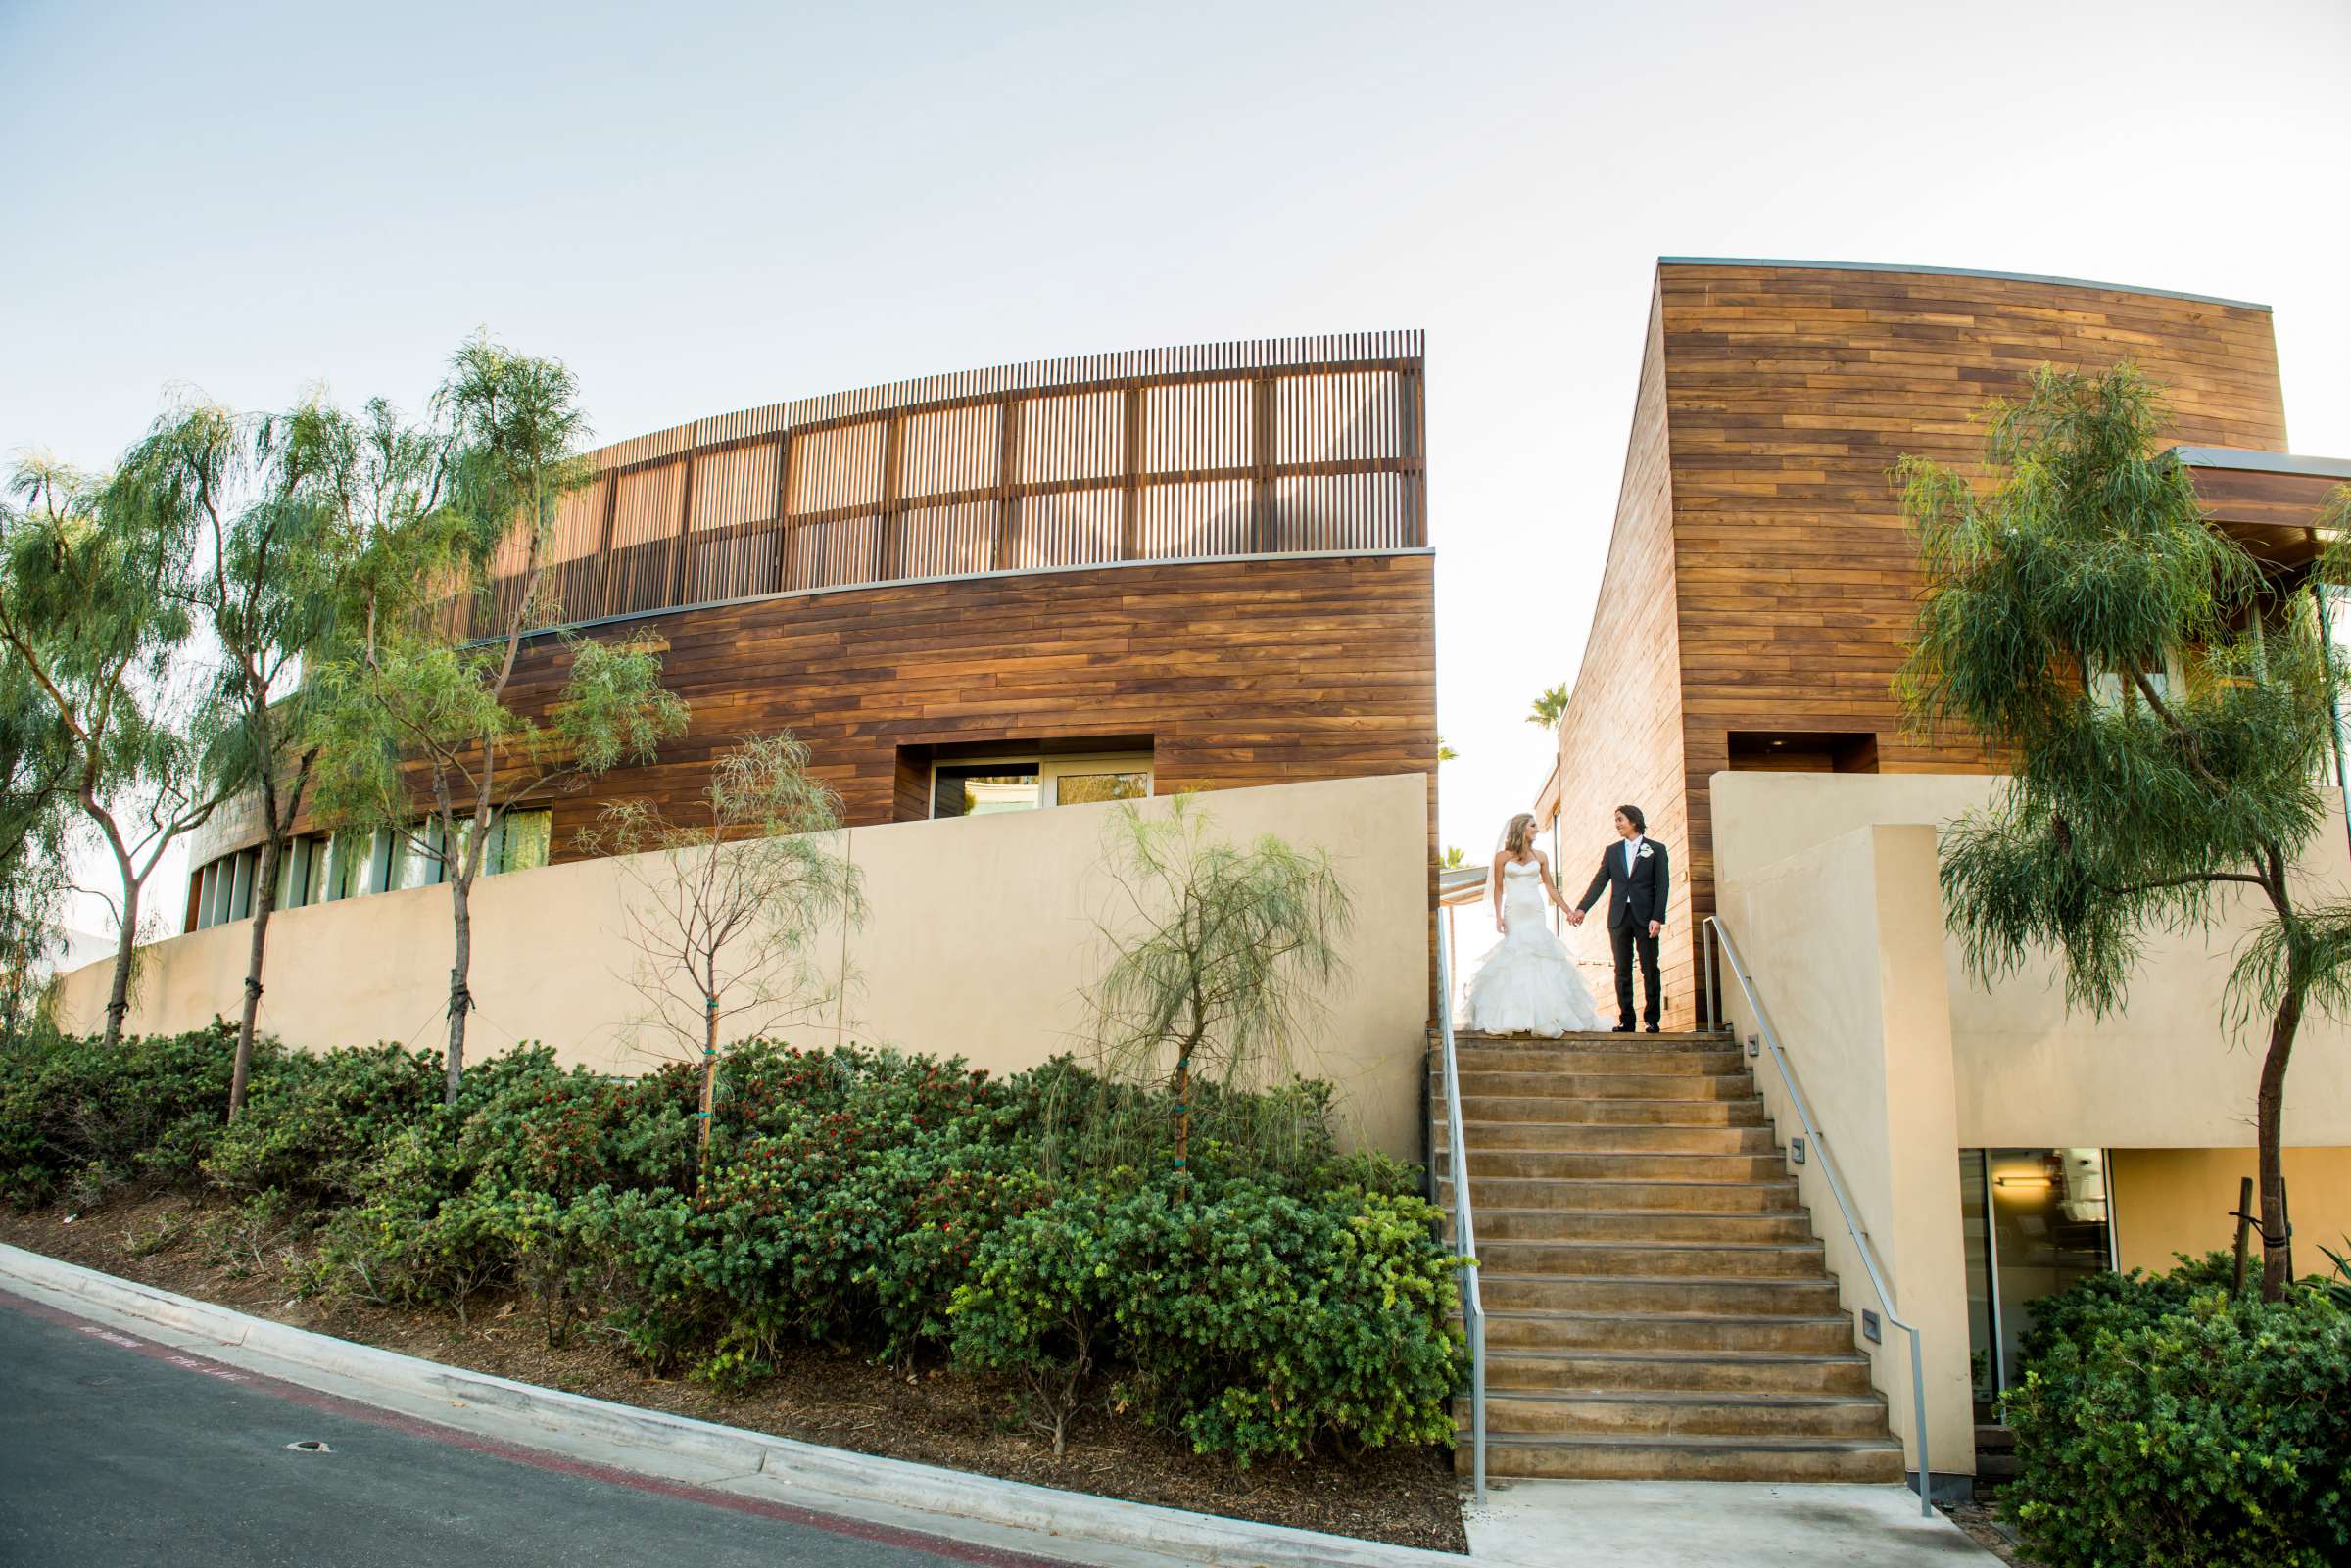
(1228, 673)
(1215, 554)
(1787, 391)
(1621, 741)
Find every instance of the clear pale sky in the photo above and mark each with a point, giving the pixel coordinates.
(706, 207)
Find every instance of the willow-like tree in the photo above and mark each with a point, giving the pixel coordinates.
(729, 903)
(276, 503)
(1220, 955)
(35, 810)
(95, 623)
(2164, 706)
(416, 707)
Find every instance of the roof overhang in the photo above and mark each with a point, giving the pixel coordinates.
(2269, 501)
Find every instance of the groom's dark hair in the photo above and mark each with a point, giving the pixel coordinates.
(1632, 814)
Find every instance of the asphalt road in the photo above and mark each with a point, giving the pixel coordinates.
(115, 1455)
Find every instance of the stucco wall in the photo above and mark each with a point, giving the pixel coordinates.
(2164, 1073)
(2169, 1200)
(981, 941)
(1870, 1052)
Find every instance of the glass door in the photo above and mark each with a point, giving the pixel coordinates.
(2036, 1221)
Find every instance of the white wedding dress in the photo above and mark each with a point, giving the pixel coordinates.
(1528, 982)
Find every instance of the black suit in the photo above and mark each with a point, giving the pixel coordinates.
(1636, 896)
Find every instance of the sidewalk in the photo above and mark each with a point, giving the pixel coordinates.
(1711, 1524)
(1558, 1524)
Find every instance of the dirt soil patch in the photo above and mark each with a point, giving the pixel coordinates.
(1980, 1523)
(928, 1414)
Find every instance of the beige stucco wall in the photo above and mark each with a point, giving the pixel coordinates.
(2165, 1073)
(2167, 1201)
(1856, 973)
(981, 941)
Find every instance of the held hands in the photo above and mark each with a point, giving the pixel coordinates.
(1575, 917)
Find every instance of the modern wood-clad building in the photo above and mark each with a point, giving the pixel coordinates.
(1177, 569)
(1761, 582)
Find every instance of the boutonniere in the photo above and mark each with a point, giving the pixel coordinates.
(1644, 852)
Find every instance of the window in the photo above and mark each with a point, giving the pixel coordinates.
(984, 789)
(985, 785)
(1091, 788)
(222, 889)
(319, 869)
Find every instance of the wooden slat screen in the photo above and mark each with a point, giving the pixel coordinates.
(1268, 447)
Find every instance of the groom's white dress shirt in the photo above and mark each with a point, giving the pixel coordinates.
(1632, 852)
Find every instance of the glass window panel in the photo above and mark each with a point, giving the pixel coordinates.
(528, 835)
(1091, 788)
(419, 867)
(207, 880)
(984, 789)
(314, 869)
(2048, 1230)
(240, 897)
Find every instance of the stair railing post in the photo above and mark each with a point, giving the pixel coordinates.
(1464, 1225)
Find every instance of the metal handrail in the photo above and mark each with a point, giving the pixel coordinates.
(1828, 1169)
(1464, 1226)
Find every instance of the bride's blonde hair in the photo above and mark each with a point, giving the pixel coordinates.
(1519, 836)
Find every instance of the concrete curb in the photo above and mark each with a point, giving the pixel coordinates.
(816, 1471)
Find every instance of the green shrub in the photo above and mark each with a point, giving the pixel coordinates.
(850, 1225)
(75, 1113)
(1275, 1297)
(2163, 1424)
(1256, 1322)
(308, 1133)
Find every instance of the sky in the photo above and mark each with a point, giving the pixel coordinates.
(705, 207)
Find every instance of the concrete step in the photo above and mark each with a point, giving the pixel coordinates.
(1577, 1137)
(1588, 1060)
(1792, 1225)
(1629, 1333)
(1603, 1039)
(1531, 1082)
(1605, 1293)
(1690, 1372)
(1637, 1415)
(1491, 1110)
(1617, 1165)
(1653, 1259)
(1696, 1459)
(1713, 1197)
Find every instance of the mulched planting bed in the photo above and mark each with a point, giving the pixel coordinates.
(1404, 1497)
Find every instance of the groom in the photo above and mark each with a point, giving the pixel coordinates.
(1633, 872)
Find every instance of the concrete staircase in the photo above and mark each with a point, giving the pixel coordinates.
(1657, 1305)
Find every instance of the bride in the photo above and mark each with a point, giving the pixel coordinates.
(1528, 984)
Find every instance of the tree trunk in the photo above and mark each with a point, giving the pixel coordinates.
(2270, 1119)
(710, 1088)
(264, 903)
(460, 999)
(127, 943)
